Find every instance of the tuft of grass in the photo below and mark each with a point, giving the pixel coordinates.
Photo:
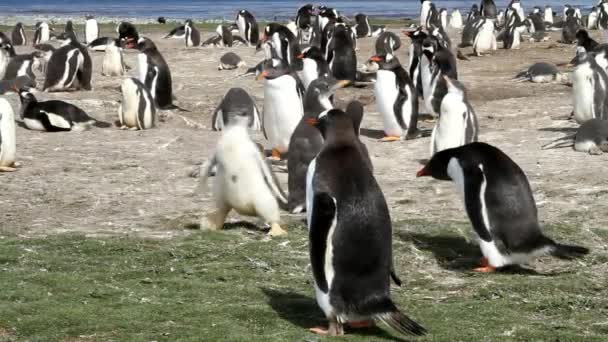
(238, 285)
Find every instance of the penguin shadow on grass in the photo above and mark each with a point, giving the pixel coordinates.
(457, 254)
(303, 311)
(233, 226)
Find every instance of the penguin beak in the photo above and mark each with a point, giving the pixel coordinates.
(408, 33)
(376, 59)
(423, 172)
(312, 121)
(262, 75)
(300, 56)
(340, 84)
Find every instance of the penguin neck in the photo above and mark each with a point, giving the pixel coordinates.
(342, 134)
(315, 104)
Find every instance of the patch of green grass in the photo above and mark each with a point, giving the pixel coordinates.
(236, 285)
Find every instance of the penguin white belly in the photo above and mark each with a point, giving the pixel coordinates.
(4, 60)
(282, 111)
(143, 67)
(57, 120)
(129, 109)
(189, 37)
(583, 92)
(34, 125)
(309, 72)
(449, 131)
(23, 68)
(549, 15)
(426, 78)
(328, 269)
(8, 148)
(310, 173)
(444, 20)
(45, 35)
(424, 12)
(411, 56)
(592, 21)
(112, 62)
(484, 40)
(240, 23)
(91, 30)
(386, 92)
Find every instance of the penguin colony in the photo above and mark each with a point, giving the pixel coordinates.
(331, 175)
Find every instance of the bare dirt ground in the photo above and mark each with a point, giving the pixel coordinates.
(108, 181)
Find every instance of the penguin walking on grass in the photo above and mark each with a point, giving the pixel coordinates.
(499, 202)
(350, 234)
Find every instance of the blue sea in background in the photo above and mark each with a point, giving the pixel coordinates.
(226, 9)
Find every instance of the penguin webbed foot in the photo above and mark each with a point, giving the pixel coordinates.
(7, 169)
(485, 267)
(335, 329)
(276, 230)
(391, 138)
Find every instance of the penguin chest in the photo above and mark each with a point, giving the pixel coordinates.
(142, 60)
(4, 60)
(282, 110)
(240, 23)
(583, 89)
(426, 77)
(484, 39)
(112, 62)
(386, 92)
(451, 127)
(309, 72)
(7, 134)
(189, 36)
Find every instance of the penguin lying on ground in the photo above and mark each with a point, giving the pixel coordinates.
(54, 115)
(350, 234)
(177, 33)
(101, 43)
(236, 102)
(8, 146)
(137, 110)
(541, 73)
(230, 61)
(499, 203)
(243, 180)
(224, 38)
(591, 137)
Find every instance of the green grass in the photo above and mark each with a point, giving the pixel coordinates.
(236, 285)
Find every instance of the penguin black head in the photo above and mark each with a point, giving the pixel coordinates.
(312, 52)
(189, 23)
(8, 47)
(145, 44)
(437, 167)
(89, 17)
(69, 26)
(128, 35)
(273, 68)
(67, 37)
(582, 35)
(335, 125)
(417, 36)
(319, 93)
(162, 20)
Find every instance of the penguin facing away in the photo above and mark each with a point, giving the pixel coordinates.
(54, 115)
(350, 234)
(18, 36)
(236, 102)
(8, 147)
(137, 110)
(243, 180)
(499, 202)
(343, 59)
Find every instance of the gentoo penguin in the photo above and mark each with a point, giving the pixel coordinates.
(54, 115)
(387, 42)
(589, 88)
(113, 64)
(364, 29)
(236, 102)
(487, 9)
(137, 110)
(499, 203)
(457, 124)
(314, 65)
(415, 54)
(584, 42)
(6, 52)
(473, 13)
(342, 58)
(306, 141)
(230, 61)
(456, 19)
(425, 9)
(193, 36)
(541, 73)
(8, 146)
(548, 18)
(500, 18)
(243, 180)
(304, 23)
(248, 27)
(18, 36)
(291, 25)
(433, 19)
(443, 17)
(20, 65)
(282, 105)
(45, 51)
(435, 63)
(485, 39)
(514, 7)
(91, 29)
(513, 31)
(68, 64)
(470, 31)
(592, 18)
(162, 20)
(223, 37)
(69, 26)
(283, 43)
(42, 34)
(350, 234)
(101, 43)
(591, 137)
(602, 18)
(537, 27)
(177, 33)
(571, 26)
(396, 99)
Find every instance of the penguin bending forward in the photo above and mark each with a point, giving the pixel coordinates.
(243, 180)
(499, 203)
(137, 110)
(70, 66)
(8, 147)
(350, 234)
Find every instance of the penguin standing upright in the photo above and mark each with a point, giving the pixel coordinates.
(236, 102)
(18, 36)
(485, 39)
(350, 234)
(91, 29)
(387, 42)
(443, 17)
(499, 203)
(342, 57)
(69, 26)
(589, 88)
(436, 62)
(456, 19)
(488, 9)
(548, 18)
(137, 110)
(8, 145)
(68, 64)
(193, 36)
(592, 18)
(513, 31)
(602, 17)
(314, 65)
(425, 9)
(364, 29)
(282, 105)
(243, 181)
(417, 37)
(283, 43)
(248, 27)
(306, 141)
(304, 23)
(571, 26)
(113, 64)
(42, 34)
(457, 124)
(396, 99)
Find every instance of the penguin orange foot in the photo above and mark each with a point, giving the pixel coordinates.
(390, 138)
(485, 267)
(276, 155)
(335, 329)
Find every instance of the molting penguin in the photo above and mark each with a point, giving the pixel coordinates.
(8, 144)
(457, 124)
(248, 27)
(306, 141)
(230, 61)
(236, 102)
(541, 73)
(113, 64)
(91, 29)
(193, 36)
(42, 34)
(68, 64)
(485, 39)
(342, 58)
(282, 105)
(177, 33)
(313, 65)
(243, 180)
(456, 20)
(499, 203)
(54, 115)
(18, 36)
(487, 9)
(591, 137)
(137, 110)
(396, 99)
(346, 256)
(589, 88)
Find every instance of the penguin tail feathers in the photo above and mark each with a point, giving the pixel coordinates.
(568, 252)
(401, 323)
(102, 124)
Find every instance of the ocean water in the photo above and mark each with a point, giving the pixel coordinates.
(212, 10)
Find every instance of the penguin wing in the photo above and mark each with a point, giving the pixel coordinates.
(217, 121)
(473, 180)
(239, 39)
(257, 122)
(322, 218)
(402, 80)
(271, 180)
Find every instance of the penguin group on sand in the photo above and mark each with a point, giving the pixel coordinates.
(316, 133)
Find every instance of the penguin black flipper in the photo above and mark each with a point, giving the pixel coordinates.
(472, 189)
(239, 39)
(273, 183)
(403, 81)
(323, 216)
(217, 120)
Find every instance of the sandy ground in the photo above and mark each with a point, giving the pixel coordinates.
(108, 181)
